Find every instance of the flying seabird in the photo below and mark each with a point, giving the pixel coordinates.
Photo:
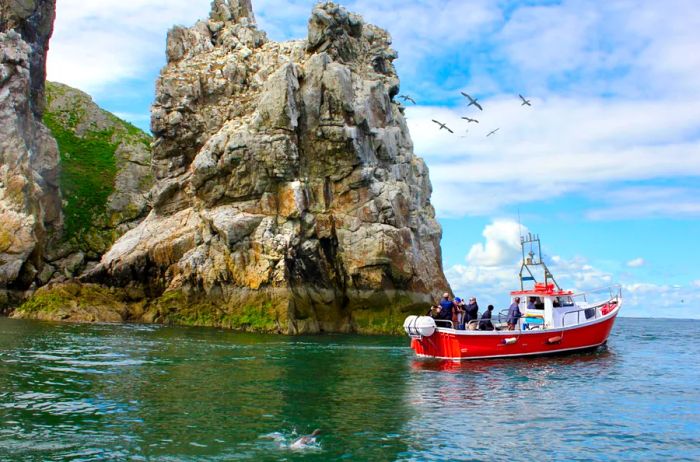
(470, 120)
(526, 102)
(472, 101)
(492, 132)
(407, 98)
(442, 125)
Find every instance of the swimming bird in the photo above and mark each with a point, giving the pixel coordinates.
(526, 102)
(472, 101)
(492, 132)
(442, 125)
(305, 440)
(470, 120)
(407, 98)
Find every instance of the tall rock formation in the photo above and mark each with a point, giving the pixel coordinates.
(29, 196)
(287, 197)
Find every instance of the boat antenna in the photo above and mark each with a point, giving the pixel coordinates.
(520, 225)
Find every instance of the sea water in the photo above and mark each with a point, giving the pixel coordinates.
(134, 392)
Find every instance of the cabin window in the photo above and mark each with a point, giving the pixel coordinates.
(567, 301)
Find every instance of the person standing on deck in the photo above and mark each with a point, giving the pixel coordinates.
(458, 313)
(446, 306)
(472, 310)
(485, 323)
(514, 313)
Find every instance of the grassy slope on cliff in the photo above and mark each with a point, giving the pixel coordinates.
(88, 139)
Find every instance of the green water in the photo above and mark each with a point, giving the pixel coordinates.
(111, 392)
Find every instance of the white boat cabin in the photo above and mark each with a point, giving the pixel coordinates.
(551, 308)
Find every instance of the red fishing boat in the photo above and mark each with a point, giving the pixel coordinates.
(553, 320)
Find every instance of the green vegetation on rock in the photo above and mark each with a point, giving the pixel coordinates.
(95, 149)
(175, 307)
(75, 302)
(88, 169)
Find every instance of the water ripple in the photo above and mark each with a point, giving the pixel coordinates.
(70, 392)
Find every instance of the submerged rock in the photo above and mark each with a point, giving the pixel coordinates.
(287, 196)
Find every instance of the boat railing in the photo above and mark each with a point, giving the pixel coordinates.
(444, 323)
(589, 313)
(614, 292)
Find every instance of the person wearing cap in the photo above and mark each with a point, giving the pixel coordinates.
(472, 310)
(485, 323)
(514, 313)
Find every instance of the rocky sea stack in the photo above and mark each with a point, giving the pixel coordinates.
(287, 195)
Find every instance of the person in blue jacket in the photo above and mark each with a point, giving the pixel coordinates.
(446, 306)
(514, 313)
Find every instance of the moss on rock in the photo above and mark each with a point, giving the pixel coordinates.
(88, 169)
(76, 302)
(96, 148)
(176, 307)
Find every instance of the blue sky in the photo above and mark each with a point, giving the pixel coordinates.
(604, 165)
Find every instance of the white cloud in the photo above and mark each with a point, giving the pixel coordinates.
(578, 274)
(661, 300)
(502, 245)
(559, 146)
(647, 202)
(491, 283)
(492, 268)
(97, 44)
(636, 263)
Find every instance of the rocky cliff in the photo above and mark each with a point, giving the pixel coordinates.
(29, 196)
(105, 178)
(287, 196)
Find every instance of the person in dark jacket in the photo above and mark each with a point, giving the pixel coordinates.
(485, 323)
(446, 306)
(514, 313)
(472, 310)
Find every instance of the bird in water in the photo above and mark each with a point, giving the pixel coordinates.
(492, 132)
(526, 102)
(305, 440)
(470, 120)
(442, 125)
(472, 101)
(407, 98)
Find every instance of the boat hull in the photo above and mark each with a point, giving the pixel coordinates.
(463, 345)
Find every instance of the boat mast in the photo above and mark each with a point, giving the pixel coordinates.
(533, 260)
